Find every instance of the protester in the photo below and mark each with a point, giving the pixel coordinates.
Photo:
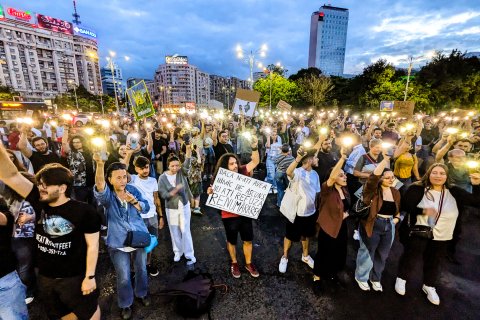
(282, 162)
(41, 155)
(303, 226)
(174, 190)
(235, 224)
(432, 203)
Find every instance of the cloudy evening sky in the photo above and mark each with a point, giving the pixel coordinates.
(207, 31)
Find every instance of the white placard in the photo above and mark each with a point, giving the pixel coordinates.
(245, 107)
(239, 194)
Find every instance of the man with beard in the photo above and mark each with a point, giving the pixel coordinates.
(41, 155)
(220, 145)
(67, 236)
(159, 150)
(326, 160)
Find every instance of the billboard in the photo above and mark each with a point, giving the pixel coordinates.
(18, 15)
(176, 59)
(54, 24)
(84, 31)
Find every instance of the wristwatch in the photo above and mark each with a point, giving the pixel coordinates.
(91, 277)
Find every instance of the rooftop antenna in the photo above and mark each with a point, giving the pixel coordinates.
(75, 15)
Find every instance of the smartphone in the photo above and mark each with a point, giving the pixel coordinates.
(133, 143)
(104, 155)
(390, 152)
(186, 138)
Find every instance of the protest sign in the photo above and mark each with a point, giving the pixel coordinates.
(283, 106)
(139, 98)
(404, 109)
(386, 106)
(246, 102)
(238, 194)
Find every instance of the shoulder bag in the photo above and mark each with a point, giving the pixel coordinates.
(426, 232)
(290, 201)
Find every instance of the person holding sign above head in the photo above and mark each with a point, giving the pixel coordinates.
(233, 223)
(303, 226)
(173, 188)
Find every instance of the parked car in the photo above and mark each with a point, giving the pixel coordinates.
(81, 119)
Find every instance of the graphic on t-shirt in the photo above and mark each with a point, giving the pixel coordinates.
(26, 230)
(57, 226)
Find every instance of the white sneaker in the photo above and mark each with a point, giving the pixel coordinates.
(376, 286)
(29, 300)
(177, 257)
(400, 286)
(432, 295)
(363, 285)
(308, 260)
(282, 267)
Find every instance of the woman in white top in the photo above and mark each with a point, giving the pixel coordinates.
(431, 204)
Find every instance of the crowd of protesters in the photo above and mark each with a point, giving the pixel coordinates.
(61, 185)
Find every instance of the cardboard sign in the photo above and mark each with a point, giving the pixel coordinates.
(404, 109)
(140, 101)
(239, 194)
(283, 106)
(246, 102)
(386, 106)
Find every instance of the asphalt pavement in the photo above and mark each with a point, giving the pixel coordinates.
(290, 296)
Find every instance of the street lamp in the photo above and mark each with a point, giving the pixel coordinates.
(228, 90)
(70, 82)
(250, 58)
(270, 71)
(111, 63)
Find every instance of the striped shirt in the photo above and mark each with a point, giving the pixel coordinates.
(283, 161)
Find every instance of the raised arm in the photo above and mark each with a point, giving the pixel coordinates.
(11, 177)
(255, 155)
(22, 144)
(443, 151)
(99, 173)
(65, 145)
(149, 140)
(336, 170)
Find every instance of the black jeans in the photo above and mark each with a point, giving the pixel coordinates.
(429, 251)
(24, 250)
(331, 253)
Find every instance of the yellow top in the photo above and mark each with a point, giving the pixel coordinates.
(404, 165)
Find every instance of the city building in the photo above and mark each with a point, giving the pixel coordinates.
(41, 56)
(109, 83)
(133, 81)
(328, 40)
(259, 75)
(223, 89)
(177, 82)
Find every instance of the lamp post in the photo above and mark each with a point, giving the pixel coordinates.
(227, 91)
(111, 62)
(70, 82)
(251, 58)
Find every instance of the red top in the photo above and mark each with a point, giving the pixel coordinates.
(226, 214)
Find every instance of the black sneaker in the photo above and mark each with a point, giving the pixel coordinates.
(146, 301)
(152, 270)
(126, 313)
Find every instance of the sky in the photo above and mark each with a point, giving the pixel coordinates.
(208, 31)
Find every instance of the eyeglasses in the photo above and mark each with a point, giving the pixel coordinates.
(41, 184)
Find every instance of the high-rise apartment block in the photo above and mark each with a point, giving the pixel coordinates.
(41, 56)
(328, 40)
(111, 83)
(178, 82)
(223, 89)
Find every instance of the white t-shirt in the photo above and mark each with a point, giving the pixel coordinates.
(172, 179)
(147, 187)
(443, 230)
(310, 186)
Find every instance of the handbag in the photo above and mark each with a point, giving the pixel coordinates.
(290, 201)
(360, 210)
(426, 232)
(137, 239)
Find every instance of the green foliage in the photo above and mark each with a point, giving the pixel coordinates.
(281, 88)
(314, 89)
(87, 102)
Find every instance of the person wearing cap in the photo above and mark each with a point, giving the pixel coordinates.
(304, 225)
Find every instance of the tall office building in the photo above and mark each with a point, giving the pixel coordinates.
(328, 40)
(110, 83)
(41, 56)
(177, 82)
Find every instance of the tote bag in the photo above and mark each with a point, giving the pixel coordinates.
(292, 201)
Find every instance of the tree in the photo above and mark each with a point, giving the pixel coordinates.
(302, 73)
(314, 89)
(281, 71)
(281, 88)
(7, 93)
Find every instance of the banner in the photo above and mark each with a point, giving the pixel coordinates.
(386, 106)
(283, 106)
(246, 102)
(239, 194)
(54, 24)
(404, 109)
(140, 101)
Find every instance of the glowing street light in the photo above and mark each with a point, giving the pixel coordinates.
(251, 58)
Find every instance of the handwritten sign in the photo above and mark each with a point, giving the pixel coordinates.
(238, 194)
(283, 106)
(140, 101)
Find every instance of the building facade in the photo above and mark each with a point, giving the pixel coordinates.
(328, 40)
(41, 56)
(177, 82)
(111, 83)
(223, 89)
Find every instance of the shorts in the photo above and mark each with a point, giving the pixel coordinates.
(238, 224)
(62, 296)
(152, 225)
(301, 227)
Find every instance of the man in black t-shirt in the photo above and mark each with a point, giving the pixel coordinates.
(326, 160)
(67, 238)
(41, 155)
(220, 145)
(12, 291)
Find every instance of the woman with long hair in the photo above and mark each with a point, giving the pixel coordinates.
(174, 190)
(432, 208)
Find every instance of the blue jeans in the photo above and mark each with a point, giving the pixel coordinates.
(121, 262)
(24, 250)
(373, 252)
(281, 181)
(270, 178)
(12, 298)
